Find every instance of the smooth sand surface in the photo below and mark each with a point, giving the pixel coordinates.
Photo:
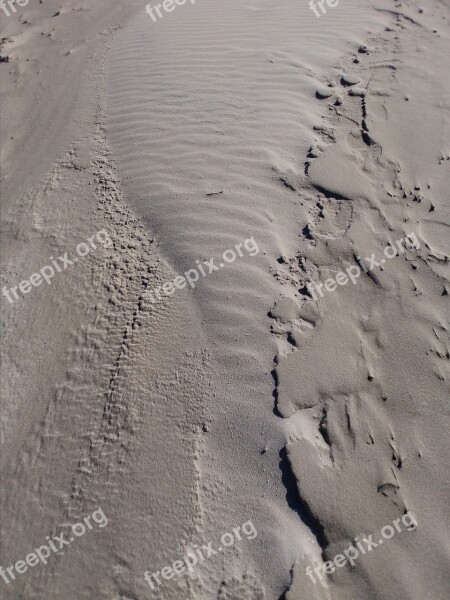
(320, 417)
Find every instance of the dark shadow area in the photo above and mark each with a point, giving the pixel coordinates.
(296, 503)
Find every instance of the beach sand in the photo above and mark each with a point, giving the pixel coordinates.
(270, 391)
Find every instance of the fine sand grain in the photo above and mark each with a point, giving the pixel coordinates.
(263, 393)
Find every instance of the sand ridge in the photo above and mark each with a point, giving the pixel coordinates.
(382, 388)
(243, 397)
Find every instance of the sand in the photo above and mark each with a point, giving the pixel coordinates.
(320, 417)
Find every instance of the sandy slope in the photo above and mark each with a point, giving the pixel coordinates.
(101, 390)
(241, 399)
(381, 396)
(260, 114)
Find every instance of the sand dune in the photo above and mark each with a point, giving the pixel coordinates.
(305, 146)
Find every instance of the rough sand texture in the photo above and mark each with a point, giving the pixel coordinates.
(320, 417)
(101, 390)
